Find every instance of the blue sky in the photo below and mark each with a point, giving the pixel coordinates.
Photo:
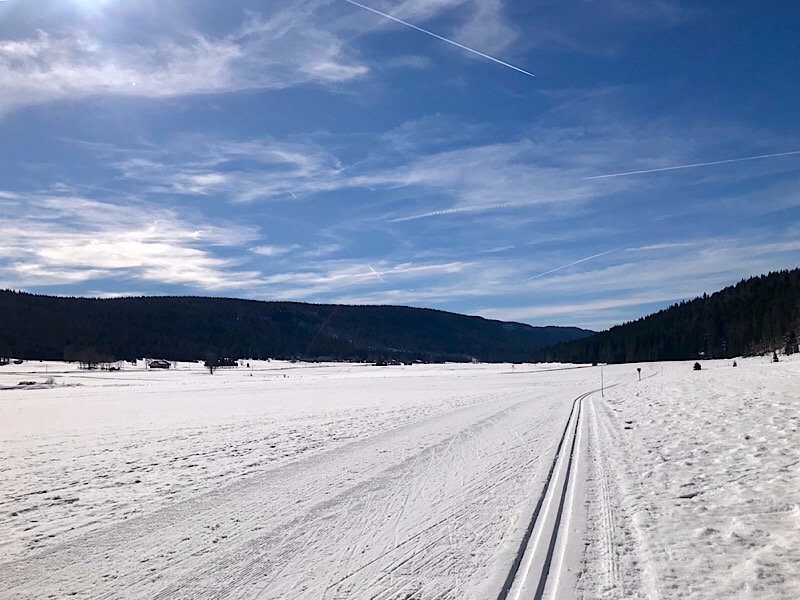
(316, 151)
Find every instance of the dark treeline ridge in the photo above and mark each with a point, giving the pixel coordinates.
(755, 316)
(193, 328)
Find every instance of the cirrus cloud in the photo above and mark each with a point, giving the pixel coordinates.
(281, 51)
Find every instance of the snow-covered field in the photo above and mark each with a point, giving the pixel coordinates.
(352, 481)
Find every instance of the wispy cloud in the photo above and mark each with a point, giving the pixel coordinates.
(347, 280)
(467, 181)
(56, 240)
(273, 251)
(290, 44)
(283, 50)
(648, 276)
(550, 168)
(275, 169)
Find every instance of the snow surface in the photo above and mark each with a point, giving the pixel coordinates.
(353, 481)
(694, 489)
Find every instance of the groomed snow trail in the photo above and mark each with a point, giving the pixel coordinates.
(433, 508)
(533, 573)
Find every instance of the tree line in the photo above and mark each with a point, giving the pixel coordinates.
(755, 316)
(193, 328)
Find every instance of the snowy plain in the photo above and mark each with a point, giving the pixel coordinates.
(352, 481)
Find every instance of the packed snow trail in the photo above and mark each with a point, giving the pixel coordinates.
(531, 567)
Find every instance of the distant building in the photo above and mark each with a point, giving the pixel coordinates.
(159, 364)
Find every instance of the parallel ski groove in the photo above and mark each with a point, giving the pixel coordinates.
(554, 537)
(514, 573)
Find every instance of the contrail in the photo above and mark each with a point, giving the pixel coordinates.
(444, 39)
(463, 209)
(695, 165)
(488, 208)
(577, 262)
(376, 273)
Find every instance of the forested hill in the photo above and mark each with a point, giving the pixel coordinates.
(756, 315)
(192, 328)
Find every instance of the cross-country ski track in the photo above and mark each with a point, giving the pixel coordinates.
(529, 574)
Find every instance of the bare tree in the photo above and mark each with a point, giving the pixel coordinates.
(212, 361)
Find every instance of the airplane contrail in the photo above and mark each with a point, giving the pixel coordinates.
(695, 165)
(462, 209)
(376, 273)
(444, 39)
(572, 264)
(488, 208)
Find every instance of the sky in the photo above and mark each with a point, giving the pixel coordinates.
(552, 162)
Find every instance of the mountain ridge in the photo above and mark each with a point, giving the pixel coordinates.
(193, 327)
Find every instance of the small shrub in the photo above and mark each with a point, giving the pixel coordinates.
(697, 366)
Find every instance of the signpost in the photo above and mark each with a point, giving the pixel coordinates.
(602, 385)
